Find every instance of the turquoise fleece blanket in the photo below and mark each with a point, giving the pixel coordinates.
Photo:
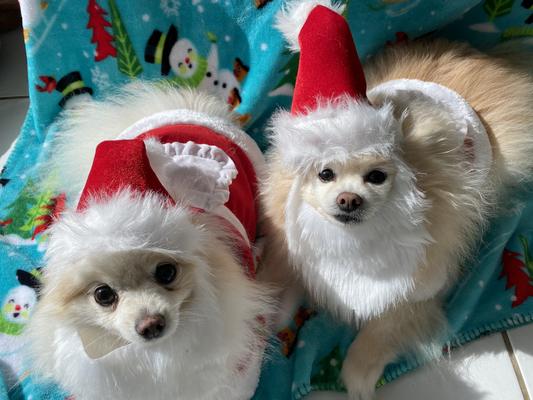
(83, 48)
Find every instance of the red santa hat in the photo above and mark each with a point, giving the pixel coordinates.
(330, 114)
(120, 165)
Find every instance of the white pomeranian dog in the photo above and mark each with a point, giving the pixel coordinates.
(149, 288)
(377, 198)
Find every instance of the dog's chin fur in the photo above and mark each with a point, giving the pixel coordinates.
(216, 332)
(357, 270)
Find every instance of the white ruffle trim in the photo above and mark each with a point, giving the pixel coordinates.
(198, 175)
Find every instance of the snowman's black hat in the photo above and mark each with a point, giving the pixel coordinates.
(71, 85)
(158, 47)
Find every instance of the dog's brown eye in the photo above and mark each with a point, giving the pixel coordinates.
(105, 296)
(376, 177)
(165, 273)
(326, 175)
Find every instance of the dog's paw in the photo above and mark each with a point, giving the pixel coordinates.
(360, 379)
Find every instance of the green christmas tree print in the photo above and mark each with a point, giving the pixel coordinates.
(32, 213)
(127, 60)
(289, 70)
(35, 212)
(497, 8)
(16, 220)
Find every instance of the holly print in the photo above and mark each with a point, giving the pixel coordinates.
(101, 37)
(518, 273)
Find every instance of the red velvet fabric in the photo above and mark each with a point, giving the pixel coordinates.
(119, 164)
(243, 200)
(329, 65)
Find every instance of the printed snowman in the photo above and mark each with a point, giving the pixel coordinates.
(74, 92)
(16, 311)
(190, 68)
(16, 308)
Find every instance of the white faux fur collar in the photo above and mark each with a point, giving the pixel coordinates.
(368, 266)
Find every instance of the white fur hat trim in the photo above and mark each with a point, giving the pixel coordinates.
(334, 131)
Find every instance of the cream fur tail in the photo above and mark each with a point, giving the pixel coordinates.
(510, 117)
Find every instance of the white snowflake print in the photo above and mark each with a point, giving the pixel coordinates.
(100, 79)
(170, 7)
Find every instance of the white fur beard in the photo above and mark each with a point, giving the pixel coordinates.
(358, 271)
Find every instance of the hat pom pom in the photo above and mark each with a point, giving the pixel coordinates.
(292, 17)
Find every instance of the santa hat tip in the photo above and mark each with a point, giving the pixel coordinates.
(291, 18)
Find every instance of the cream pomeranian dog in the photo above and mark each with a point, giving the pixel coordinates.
(377, 198)
(148, 286)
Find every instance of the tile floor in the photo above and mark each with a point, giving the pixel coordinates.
(499, 367)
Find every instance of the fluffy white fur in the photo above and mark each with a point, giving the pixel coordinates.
(216, 334)
(213, 340)
(291, 19)
(368, 266)
(354, 128)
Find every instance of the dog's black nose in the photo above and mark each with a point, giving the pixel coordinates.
(151, 326)
(349, 202)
